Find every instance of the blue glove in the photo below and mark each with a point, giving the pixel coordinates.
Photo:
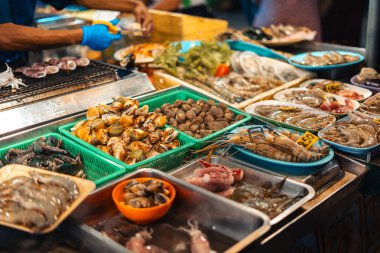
(97, 37)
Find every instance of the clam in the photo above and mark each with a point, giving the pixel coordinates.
(154, 186)
(77, 125)
(117, 106)
(92, 113)
(83, 131)
(130, 160)
(128, 196)
(104, 148)
(131, 110)
(154, 137)
(143, 111)
(169, 135)
(102, 136)
(159, 121)
(126, 136)
(115, 129)
(103, 109)
(138, 155)
(149, 127)
(160, 198)
(110, 118)
(138, 134)
(126, 120)
(130, 102)
(140, 202)
(139, 121)
(150, 118)
(98, 124)
(138, 145)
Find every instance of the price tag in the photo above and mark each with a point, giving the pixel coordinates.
(288, 108)
(307, 140)
(377, 120)
(333, 87)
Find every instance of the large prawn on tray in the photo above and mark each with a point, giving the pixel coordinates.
(272, 142)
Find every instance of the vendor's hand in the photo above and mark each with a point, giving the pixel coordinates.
(97, 37)
(143, 17)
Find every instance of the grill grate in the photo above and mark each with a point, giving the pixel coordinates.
(52, 85)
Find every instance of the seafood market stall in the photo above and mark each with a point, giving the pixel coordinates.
(244, 152)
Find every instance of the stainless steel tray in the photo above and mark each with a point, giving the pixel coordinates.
(229, 226)
(255, 175)
(69, 237)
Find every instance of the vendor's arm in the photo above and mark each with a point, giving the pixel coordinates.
(20, 38)
(167, 5)
(135, 6)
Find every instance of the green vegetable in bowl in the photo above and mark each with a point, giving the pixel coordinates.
(199, 61)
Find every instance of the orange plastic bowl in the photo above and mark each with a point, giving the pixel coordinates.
(142, 215)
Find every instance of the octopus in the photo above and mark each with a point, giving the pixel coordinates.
(216, 178)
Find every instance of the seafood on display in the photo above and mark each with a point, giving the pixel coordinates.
(294, 115)
(230, 183)
(368, 76)
(52, 66)
(143, 195)
(7, 79)
(358, 132)
(198, 118)
(185, 237)
(245, 35)
(272, 33)
(317, 98)
(275, 143)
(266, 197)
(235, 87)
(371, 105)
(138, 243)
(288, 32)
(326, 59)
(126, 131)
(336, 87)
(46, 153)
(36, 201)
(216, 178)
(251, 64)
(144, 53)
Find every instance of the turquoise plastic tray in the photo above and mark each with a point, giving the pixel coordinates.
(97, 169)
(299, 58)
(347, 149)
(292, 168)
(260, 50)
(172, 95)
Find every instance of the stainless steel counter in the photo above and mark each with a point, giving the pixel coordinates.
(281, 235)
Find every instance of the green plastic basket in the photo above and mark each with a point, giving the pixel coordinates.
(184, 94)
(99, 170)
(164, 161)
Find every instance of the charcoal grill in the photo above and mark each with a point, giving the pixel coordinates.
(96, 73)
(65, 94)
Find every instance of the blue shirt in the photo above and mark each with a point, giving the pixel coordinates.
(21, 12)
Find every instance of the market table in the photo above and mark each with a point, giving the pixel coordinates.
(315, 219)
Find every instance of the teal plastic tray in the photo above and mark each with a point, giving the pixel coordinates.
(97, 169)
(260, 50)
(291, 168)
(184, 94)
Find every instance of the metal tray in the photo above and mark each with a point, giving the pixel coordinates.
(229, 226)
(255, 175)
(69, 237)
